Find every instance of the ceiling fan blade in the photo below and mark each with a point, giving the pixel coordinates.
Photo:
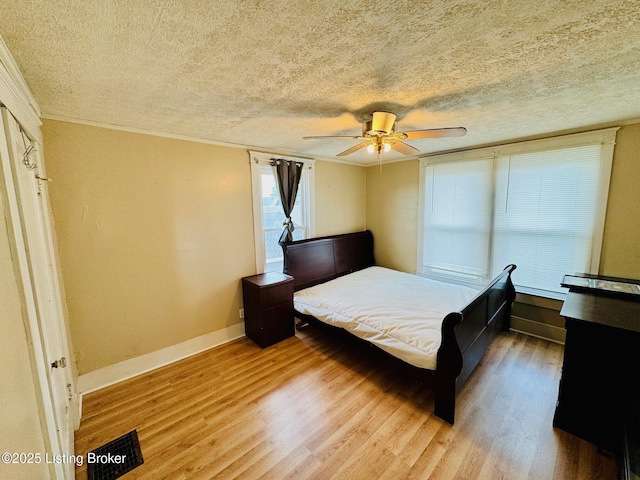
(353, 149)
(403, 148)
(382, 122)
(435, 133)
(312, 137)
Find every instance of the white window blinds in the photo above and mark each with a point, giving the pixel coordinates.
(545, 212)
(457, 223)
(539, 205)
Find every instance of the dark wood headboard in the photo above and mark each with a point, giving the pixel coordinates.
(317, 260)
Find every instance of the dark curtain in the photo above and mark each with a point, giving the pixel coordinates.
(288, 174)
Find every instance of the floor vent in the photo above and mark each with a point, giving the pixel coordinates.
(115, 458)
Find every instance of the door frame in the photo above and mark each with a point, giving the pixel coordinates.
(16, 101)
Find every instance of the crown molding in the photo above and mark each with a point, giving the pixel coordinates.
(186, 138)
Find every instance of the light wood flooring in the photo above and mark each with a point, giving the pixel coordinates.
(319, 407)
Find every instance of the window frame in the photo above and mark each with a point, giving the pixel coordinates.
(605, 138)
(261, 159)
(465, 278)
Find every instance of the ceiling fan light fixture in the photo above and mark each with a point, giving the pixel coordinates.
(379, 135)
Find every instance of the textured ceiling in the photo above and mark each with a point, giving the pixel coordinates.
(265, 73)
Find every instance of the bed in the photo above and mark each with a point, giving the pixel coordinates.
(336, 282)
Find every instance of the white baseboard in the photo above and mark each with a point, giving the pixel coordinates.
(76, 409)
(97, 379)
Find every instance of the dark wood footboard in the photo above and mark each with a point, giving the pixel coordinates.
(466, 335)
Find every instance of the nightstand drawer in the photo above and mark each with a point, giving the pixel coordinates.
(267, 337)
(271, 325)
(272, 296)
(269, 318)
(275, 317)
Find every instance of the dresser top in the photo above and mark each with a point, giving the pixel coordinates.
(608, 311)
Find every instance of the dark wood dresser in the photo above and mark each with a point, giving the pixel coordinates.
(268, 307)
(600, 382)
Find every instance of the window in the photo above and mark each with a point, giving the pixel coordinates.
(267, 208)
(457, 218)
(539, 205)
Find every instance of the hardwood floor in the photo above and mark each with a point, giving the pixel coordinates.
(318, 407)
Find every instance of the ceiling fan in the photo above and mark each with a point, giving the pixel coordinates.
(380, 135)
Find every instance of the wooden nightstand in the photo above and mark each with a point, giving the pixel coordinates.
(268, 307)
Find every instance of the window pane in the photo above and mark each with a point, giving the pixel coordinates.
(273, 249)
(458, 203)
(545, 211)
(273, 217)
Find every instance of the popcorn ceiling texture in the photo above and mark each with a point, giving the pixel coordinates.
(265, 73)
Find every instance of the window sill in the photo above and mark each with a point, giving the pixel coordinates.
(540, 298)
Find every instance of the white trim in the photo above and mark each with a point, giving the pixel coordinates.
(15, 95)
(39, 363)
(142, 131)
(603, 198)
(605, 136)
(16, 101)
(256, 192)
(421, 211)
(103, 377)
(311, 194)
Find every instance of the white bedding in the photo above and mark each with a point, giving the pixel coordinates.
(399, 312)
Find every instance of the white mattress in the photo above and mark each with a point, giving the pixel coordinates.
(399, 312)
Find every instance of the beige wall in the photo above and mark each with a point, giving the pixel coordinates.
(392, 213)
(20, 426)
(621, 245)
(154, 235)
(340, 198)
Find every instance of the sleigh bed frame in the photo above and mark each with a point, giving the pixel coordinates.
(466, 335)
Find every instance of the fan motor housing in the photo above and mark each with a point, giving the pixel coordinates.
(367, 129)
